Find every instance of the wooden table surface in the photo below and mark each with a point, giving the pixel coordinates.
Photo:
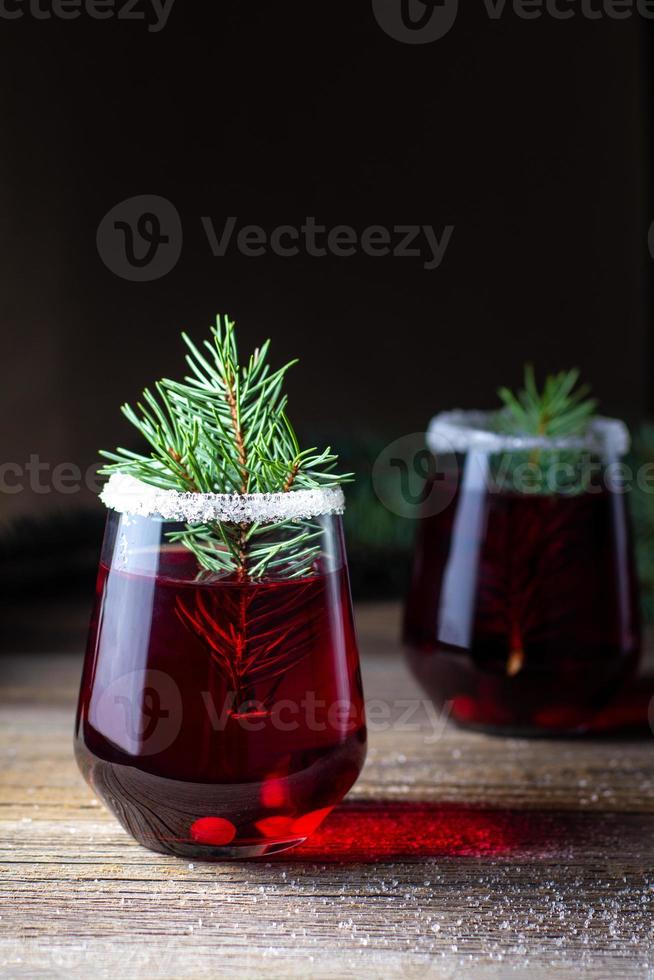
(455, 854)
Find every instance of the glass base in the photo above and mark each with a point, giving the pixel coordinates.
(536, 703)
(523, 731)
(229, 852)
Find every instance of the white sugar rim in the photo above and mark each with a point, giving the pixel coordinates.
(127, 495)
(460, 431)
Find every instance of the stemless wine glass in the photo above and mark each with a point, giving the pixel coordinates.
(220, 715)
(522, 615)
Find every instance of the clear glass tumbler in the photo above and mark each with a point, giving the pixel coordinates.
(522, 615)
(221, 715)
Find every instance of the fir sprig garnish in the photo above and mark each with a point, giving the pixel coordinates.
(561, 409)
(224, 429)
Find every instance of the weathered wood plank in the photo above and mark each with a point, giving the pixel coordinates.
(456, 853)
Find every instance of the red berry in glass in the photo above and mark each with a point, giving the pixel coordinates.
(221, 711)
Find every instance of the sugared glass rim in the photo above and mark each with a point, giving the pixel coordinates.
(461, 431)
(127, 495)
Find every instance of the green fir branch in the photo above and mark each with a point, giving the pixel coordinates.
(224, 429)
(560, 409)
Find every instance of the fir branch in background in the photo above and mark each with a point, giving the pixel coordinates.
(562, 409)
(224, 429)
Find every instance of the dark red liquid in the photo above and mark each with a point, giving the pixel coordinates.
(222, 718)
(522, 614)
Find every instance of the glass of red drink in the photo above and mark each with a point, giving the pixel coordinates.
(221, 715)
(522, 615)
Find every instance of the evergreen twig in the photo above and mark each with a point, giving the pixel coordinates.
(224, 429)
(560, 409)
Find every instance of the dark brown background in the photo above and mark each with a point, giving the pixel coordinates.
(531, 137)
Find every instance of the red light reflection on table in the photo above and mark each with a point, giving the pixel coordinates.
(382, 831)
